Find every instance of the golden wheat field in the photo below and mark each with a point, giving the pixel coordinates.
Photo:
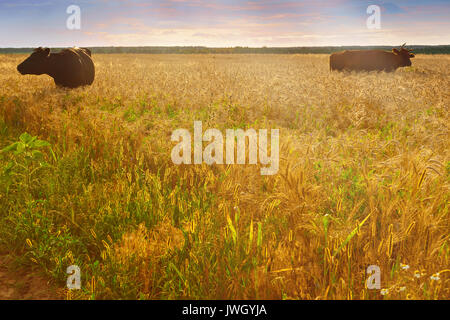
(363, 180)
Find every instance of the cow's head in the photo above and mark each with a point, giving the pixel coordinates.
(36, 63)
(404, 54)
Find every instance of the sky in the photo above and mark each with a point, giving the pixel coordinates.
(223, 23)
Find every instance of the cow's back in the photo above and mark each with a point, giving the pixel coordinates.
(83, 55)
(362, 60)
(74, 68)
(370, 60)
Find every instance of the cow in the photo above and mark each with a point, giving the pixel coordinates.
(371, 60)
(70, 68)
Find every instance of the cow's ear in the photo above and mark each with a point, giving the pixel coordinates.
(47, 51)
(395, 51)
(411, 55)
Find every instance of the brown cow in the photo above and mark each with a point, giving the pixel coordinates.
(371, 60)
(70, 68)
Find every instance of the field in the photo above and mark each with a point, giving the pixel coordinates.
(363, 180)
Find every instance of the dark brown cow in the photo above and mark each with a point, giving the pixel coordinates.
(371, 60)
(70, 68)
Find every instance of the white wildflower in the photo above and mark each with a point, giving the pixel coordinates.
(435, 277)
(404, 266)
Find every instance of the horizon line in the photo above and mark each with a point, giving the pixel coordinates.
(230, 47)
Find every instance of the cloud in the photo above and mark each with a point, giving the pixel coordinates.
(225, 22)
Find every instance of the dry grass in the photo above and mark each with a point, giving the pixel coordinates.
(353, 145)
